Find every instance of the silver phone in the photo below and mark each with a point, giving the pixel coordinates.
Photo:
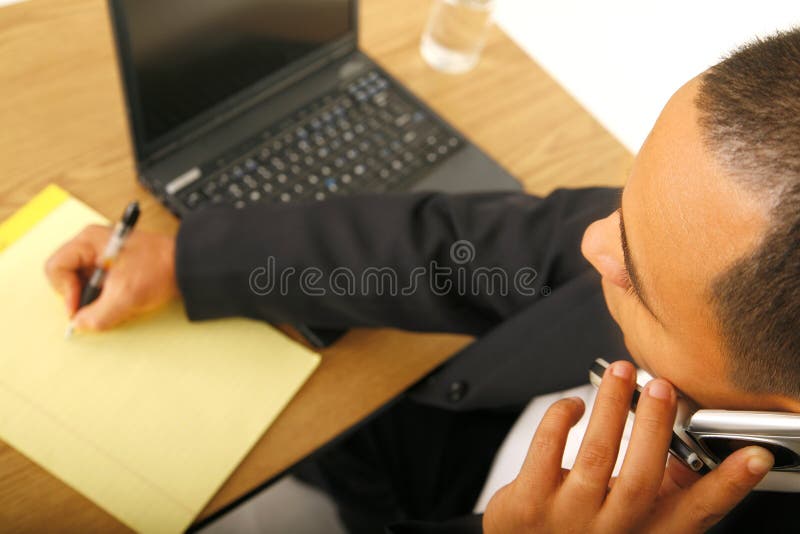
(702, 439)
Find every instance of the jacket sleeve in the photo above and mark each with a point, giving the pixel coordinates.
(423, 261)
(471, 524)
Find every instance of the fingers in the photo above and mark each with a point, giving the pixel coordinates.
(541, 472)
(79, 254)
(71, 291)
(63, 266)
(642, 472)
(587, 484)
(714, 495)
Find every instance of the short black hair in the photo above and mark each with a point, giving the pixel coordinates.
(749, 115)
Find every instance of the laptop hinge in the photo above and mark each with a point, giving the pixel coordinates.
(339, 52)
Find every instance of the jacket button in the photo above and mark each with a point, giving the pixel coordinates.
(457, 391)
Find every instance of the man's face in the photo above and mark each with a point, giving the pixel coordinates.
(685, 221)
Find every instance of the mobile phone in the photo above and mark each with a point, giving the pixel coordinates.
(682, 446)
(703, 438)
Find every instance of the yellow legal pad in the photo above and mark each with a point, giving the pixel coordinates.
(147, 420)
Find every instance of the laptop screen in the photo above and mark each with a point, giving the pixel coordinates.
(185, 57)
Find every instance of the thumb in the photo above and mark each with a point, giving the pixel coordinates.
(679, 476)
(102, 314)
(717, 493)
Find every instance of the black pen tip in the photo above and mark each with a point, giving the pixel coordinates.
(131, 214)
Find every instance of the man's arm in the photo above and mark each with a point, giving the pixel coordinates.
(386, 260)
(428, 262)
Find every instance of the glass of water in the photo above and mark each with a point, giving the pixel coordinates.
(456, 34)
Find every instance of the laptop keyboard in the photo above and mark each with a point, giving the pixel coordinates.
(364, 137)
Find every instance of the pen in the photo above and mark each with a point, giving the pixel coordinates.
(95, 285)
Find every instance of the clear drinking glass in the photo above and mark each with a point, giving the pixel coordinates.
(456, 34)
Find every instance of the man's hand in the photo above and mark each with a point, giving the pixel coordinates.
(647, 496)
(142, 278)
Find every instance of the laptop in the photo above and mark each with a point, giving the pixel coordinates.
(240, 102)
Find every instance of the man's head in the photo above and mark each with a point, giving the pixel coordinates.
(701, 265)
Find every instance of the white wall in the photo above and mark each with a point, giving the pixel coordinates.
(622, 59)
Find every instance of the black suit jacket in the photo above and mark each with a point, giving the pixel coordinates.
(218, 251)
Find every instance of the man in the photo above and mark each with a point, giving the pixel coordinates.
(699, 267)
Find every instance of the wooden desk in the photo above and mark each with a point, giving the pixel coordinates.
(62, 121)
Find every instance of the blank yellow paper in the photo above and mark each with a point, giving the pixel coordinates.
(147, 420)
